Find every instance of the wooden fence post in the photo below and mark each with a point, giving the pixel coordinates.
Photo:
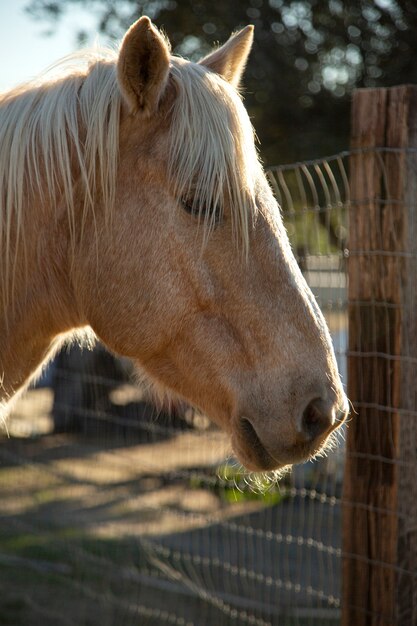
(380, 489)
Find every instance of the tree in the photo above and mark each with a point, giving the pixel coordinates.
(307, 58)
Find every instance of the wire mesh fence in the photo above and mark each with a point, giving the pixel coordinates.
(114, 513)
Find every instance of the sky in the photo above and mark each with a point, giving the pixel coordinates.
(25, 50)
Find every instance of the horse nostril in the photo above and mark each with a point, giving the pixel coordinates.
(317, 418)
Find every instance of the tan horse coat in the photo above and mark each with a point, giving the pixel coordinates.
(133, 203)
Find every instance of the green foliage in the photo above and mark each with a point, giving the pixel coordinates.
(232, 484)
(307, 58)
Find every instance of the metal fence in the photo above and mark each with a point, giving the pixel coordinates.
(114, 515)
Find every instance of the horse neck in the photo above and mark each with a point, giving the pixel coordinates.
(38, 301)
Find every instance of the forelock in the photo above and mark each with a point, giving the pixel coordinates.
(212, 156)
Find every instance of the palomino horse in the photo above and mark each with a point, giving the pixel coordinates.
(133, 202)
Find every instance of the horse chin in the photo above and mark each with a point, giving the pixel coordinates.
(250, 450)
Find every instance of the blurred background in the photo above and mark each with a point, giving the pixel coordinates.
(307, 58)
(113, 512)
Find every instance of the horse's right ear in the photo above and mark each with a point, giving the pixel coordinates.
(143, 66)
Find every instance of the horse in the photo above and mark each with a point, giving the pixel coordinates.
(133, 203)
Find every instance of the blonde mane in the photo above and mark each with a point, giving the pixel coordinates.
(64, 121)
(64, 127)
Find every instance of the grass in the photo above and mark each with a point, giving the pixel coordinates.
(232, 485)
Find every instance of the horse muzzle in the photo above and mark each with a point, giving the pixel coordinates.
(265, 445)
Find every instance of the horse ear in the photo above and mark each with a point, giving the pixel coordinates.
(230, 59)
(143, 66)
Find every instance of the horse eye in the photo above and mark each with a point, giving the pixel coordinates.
(193, 209)
(189, 206)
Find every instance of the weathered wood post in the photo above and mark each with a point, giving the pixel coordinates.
(380, 490)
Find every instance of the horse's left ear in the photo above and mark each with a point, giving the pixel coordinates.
(143, 66)
(230, 59)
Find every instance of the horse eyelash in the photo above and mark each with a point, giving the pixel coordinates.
(192, 208)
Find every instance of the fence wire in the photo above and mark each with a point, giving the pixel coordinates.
(113, 513)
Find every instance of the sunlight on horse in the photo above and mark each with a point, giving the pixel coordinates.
(133, 203)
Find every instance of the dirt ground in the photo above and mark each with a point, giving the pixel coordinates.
(115, 531)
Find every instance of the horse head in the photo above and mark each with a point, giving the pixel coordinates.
(195, 279)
